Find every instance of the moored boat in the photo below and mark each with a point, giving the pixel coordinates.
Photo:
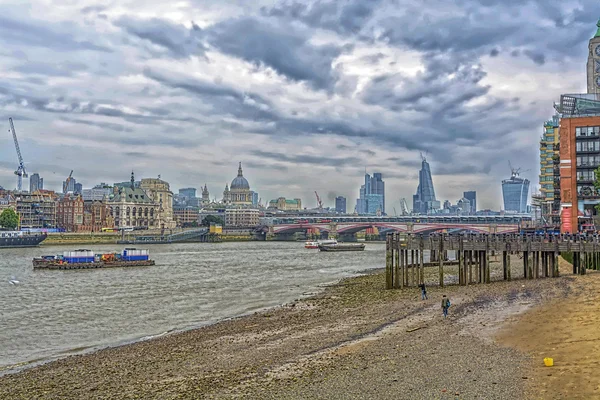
(342, 247)
(315, 245)
(10, 239)
(83, 259)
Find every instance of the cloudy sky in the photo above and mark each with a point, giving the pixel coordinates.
(305, 94)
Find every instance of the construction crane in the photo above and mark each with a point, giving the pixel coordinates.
(515, 172)
(319, 202)
(66, 183)
(403, 207)
(20, 172)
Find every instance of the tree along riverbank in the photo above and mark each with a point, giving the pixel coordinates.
(354, 340)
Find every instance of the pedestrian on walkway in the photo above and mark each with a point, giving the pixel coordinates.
(445, 305)
(423, 291)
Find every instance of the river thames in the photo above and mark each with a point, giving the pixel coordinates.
(50, 314)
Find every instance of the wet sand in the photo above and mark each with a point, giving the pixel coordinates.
(355, 340)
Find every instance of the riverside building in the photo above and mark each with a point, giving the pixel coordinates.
(424, 201)
(579, 147)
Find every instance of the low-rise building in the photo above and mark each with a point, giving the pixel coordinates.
(69, 213)
(131, 206)
(36, 210)
(186, 215)
(241, 217)
(284, 204)
(97, 215)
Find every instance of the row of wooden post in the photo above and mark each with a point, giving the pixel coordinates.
(583, 261)
(405, 267)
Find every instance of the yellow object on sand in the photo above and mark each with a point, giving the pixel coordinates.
(549, 362)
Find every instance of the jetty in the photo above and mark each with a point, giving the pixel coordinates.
(405, 265)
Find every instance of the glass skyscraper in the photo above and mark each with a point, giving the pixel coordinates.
(515, 192)
(340, 205)
(372, 195)
(424, 201)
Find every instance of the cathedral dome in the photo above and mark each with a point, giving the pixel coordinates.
(240, 182)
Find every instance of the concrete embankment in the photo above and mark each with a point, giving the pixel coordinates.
(354, 340)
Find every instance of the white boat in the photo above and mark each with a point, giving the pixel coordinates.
(315, 245)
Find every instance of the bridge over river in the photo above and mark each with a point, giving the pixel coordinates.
(348, 226)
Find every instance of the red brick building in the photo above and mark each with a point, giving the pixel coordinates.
(579, 158)
(69, 213)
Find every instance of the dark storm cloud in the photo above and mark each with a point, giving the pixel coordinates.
(342, 17)
(41, 34)
(177, 39)
(280, 46)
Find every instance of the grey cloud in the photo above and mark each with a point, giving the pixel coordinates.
(177, 39)
(51, 69)
(279, 46)
(40, 34)
(103, 125)
(306, 159)
(537, 57)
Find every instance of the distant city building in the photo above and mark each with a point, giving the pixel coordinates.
(424, 201)
(205, 200)
(284, 204)
(464, 207)
(254, 197)
(132, 207)
(69, 185)
(35, 183)
(159, 191)
(77, 188)
(185, 215)
(239, 193)
(188, 192)
(340, 205)
(372, 195)
(241, 217)
(96, 193)
(447, 204)
(515, 192)
(472, 197)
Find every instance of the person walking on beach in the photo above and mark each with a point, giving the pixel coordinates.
(423, 291)
(445, 305)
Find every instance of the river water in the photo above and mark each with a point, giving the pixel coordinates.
(50, 314)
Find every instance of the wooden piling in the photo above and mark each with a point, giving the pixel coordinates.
(421, 271)
(441, 269)
(388, 262)
(508, 265)
(470, 267)
(413, 265)
(397, 260)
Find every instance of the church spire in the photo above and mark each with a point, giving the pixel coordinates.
(598, 33)
(240, 170)
(132, 180)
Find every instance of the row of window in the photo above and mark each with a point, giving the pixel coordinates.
(587, 131)
(588, 146)
(588, 161)
(588, 175)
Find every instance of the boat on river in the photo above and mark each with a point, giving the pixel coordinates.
(315, 245)
(9, 239)
(342, 247)
(85, 259)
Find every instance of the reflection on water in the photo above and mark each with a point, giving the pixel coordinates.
(53, 313)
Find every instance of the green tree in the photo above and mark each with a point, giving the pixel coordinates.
(597, 185)
(9, 219)
(212, 219)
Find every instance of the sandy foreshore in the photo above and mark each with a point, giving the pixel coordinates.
(356, 341)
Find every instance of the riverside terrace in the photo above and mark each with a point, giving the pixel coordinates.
(538, 253)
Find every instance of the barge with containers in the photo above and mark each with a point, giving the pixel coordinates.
(86, 259)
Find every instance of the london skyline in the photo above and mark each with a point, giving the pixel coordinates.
(339, 86)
